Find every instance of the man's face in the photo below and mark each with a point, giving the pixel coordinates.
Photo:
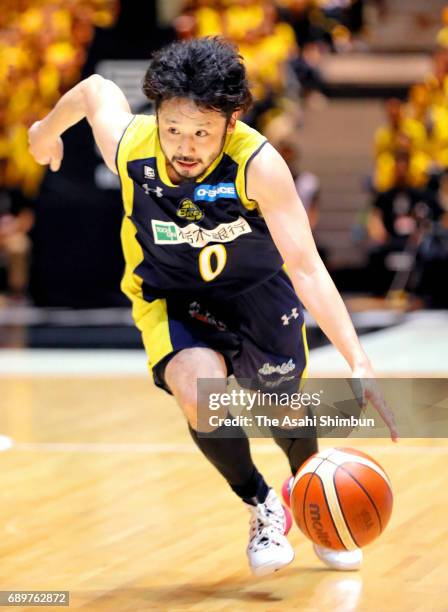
(191, 137)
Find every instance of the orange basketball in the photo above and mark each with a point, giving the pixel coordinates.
(341, 498)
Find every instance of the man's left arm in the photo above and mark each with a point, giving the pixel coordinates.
(270, 183)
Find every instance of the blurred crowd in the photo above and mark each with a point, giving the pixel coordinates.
(43, 45)
(42, 50)
(408, 220)
(281, 41)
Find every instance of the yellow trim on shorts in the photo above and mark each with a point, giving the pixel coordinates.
(155, 331)
(151, 318)
(304, 376)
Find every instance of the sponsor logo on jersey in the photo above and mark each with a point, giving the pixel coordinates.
(210, 193)
(168, 232)
(149, 172)
(189, 210)
(164, 232)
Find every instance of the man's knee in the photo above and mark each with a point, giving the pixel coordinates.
(188, 401)
(182, 374)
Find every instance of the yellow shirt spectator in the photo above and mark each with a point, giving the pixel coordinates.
(438, 136)
(384, 174)
(386, 136)
(208, 22)
(242, 19)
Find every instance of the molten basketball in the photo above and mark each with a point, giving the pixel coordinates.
(341, 498)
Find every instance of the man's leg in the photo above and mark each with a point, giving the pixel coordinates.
(268, 549)
(230, 456)
(297, 450)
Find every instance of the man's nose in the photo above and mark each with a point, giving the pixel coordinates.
(186, 146)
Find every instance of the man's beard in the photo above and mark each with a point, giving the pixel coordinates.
(188, 177)
(191, 178)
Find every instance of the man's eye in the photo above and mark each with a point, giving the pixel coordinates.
(201, 133)
(172, 130)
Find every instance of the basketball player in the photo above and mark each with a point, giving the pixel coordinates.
(211, 214)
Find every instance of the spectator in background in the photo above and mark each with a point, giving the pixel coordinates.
(387, 136)
(418, 168)
(442, 196)
(266, 43)
(434, 119)
(308, 188)
(307, 21)
(398, 218)
(42, 51)
(409, 215)
(436, 82)
(281, 42)
(16, 221)
(283, 135)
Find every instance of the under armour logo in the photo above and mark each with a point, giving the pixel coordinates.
(286, 318)
(157, 190)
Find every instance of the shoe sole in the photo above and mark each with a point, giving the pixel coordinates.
(339, 568)
(271, 568)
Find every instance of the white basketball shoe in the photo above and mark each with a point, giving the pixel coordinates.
(343, 560)
(268, 549)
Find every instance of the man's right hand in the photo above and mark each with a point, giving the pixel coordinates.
(44, 148)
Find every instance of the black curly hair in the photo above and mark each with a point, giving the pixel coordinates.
(209, 71)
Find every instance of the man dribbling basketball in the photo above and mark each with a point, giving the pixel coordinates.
(211, 214)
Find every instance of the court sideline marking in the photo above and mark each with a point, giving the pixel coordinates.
(155, 448)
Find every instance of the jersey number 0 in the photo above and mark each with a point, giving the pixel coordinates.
(212, 260)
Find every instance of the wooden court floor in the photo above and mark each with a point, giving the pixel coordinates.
(104, 494)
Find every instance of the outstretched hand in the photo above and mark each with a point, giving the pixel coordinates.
(367, 391)
(46, 149)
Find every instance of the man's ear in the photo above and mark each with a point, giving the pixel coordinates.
(232, 122)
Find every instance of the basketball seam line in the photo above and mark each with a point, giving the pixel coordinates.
(380, 468)
(304, 495)
(367, 494)
(329, 509)
(342, 510)
(304, 504)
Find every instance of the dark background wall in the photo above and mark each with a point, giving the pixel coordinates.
(77, 258)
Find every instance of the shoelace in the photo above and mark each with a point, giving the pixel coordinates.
(265, 527)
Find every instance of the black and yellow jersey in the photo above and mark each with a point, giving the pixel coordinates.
(202, 236)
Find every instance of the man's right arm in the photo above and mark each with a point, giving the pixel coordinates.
(98, 100)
